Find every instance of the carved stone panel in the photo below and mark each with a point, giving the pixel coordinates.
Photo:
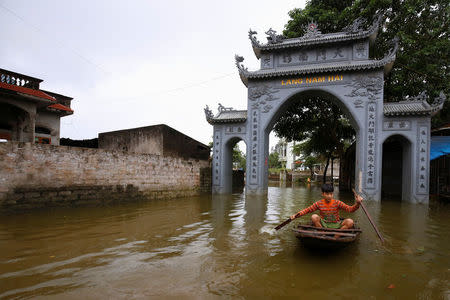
(361, 50)
(216, 169)
(314, 56)
(254, 147)
(396, 125)
(424, 157)
(371, 145)
(266, 61)
(261, 96)
(235, 129)
(366, 86)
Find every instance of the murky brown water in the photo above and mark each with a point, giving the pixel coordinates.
(221, 247)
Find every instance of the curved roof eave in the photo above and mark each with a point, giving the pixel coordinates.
(385, 63)
(371, 33)
(214, 121)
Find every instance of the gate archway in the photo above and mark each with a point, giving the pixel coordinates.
(296, 98)
(396, 168)
(336, 66)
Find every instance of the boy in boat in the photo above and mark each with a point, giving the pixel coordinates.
(329, 210)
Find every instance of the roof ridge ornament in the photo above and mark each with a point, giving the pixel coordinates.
(243, 71)
(208, 114)
(392, 51)
(253, 38)
(222, 108)
(438, 103)
(389, 58)
(312, 30)
(239, 59)
(419, 98)
(440, 99)
(225, 115)
(273, 37)
(356, 26)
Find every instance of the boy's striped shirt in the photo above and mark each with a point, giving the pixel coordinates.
(328, 211)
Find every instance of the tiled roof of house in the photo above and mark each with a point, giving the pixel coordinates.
(27, 91)
(59, 106)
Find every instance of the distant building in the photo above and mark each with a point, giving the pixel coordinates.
(27, 113)
(287, 157)
(158, 139)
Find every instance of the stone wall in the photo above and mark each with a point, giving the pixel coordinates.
(157, 139)
(35, 175)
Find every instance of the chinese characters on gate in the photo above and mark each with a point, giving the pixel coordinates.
(371, 145)
(254, 150)
(423, 159)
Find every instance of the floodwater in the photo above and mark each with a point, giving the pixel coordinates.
(221, 247)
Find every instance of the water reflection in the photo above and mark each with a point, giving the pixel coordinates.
(221, 246)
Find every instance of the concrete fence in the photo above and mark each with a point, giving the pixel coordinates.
(37, 175)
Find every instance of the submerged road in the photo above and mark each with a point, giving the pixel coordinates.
(222, 246)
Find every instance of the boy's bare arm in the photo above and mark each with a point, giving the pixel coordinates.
(312, 208)
(358, 199)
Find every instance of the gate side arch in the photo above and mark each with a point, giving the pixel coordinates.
(395, 171)
(224, 139)
(229, 144)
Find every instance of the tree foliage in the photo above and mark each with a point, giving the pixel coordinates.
(422, 27)
(310, 161)
(319, 124)
(239, 160)
(274, 160)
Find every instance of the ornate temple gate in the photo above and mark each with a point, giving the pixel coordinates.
(337, 67)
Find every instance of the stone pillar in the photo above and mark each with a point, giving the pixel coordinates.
(422, 163)
(217, 162)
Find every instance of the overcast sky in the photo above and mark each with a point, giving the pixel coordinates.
(136, 63)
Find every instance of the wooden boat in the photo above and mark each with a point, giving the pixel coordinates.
(325, 238)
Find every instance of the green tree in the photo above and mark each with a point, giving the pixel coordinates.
(319, 124)
(239, 160)
(422, 27)
(310, 161)
(274, 160)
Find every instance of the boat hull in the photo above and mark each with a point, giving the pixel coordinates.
(326, 238)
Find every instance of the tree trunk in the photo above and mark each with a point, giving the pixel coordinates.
(325, 171)
(332, 167)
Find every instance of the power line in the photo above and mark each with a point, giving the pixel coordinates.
(163, 92)
(61, 44)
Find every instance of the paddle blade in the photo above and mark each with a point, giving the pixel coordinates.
(283, 224)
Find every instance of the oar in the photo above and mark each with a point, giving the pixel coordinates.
(370, 219)
(283, 224)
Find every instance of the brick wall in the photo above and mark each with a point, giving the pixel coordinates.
(35, 175)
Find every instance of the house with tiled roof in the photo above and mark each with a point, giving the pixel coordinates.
(27, 113)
